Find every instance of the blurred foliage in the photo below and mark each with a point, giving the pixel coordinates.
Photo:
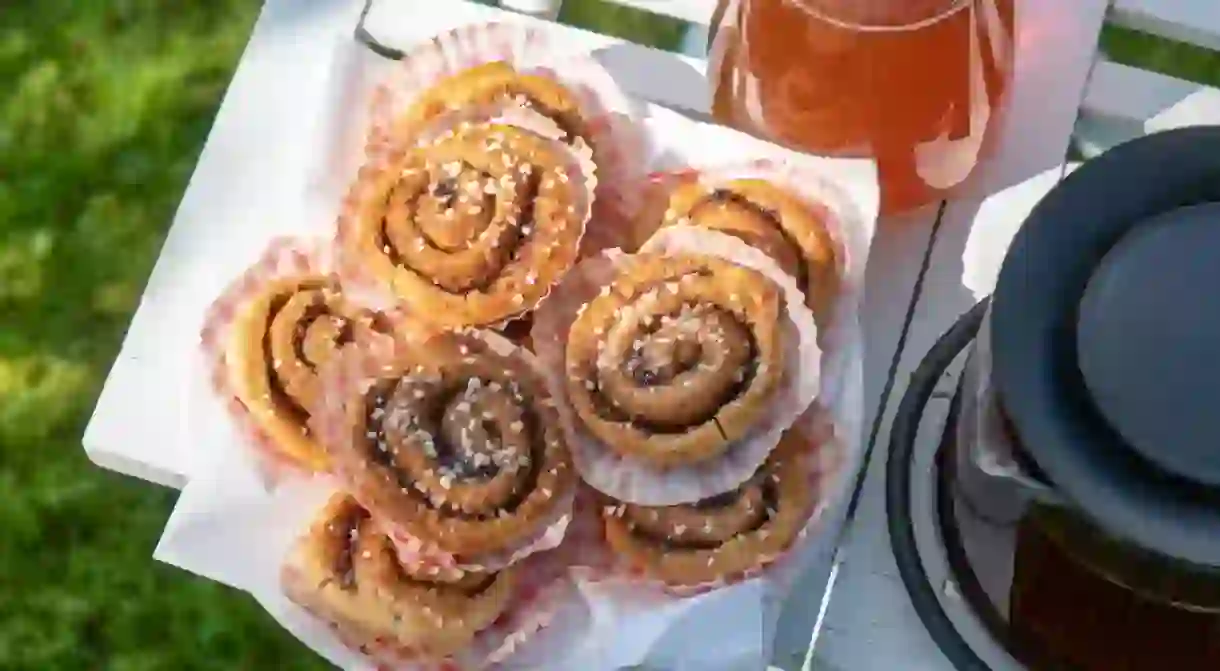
(628, 23)
(106, 107)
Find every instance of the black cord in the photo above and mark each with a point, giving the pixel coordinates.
(857, 492)
(853, 501)
(903, 436)
(363, 36)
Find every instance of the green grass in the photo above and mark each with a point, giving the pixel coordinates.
(105, 109)
(1151, 53)
(106, 105)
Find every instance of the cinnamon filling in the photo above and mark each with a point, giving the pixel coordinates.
(674, 349)
(315, 311)
(347, 529)
(480, 462)
(569, 124)
(470, 584)
(442, 225)
(280, 397)
(718, 501)
(773, 222)
(685, 535)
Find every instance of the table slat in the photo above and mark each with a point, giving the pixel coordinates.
(1124, 103)
(1124, 92)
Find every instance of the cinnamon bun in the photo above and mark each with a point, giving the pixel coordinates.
(344, 570)
(723, 537)
(279, 339)
(457, 446)
(472, 228)
(677, 358)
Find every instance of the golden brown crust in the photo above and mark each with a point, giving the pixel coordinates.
(723, 537)
(458, 445)
(344, 570)
(773, 221)
(473, 228)
(677, 358)
(279, 340)
(491, 83)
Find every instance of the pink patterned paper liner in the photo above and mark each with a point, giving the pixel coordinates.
(632, 481)
(348, 377)
(284, 257)
(819, 193)
(354, 272)
(824, 461)
(544, 587)
(607, 111)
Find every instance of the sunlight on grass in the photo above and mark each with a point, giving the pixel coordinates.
(21, 261)
(37, 394)
(106, 108)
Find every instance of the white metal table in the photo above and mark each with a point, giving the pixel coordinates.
(913, 286)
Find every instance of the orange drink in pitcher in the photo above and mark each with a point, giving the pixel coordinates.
(916, 84)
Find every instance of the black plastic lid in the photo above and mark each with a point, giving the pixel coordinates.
(1106, 341)
(1148, 341)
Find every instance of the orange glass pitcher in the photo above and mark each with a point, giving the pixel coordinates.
(917, 84)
